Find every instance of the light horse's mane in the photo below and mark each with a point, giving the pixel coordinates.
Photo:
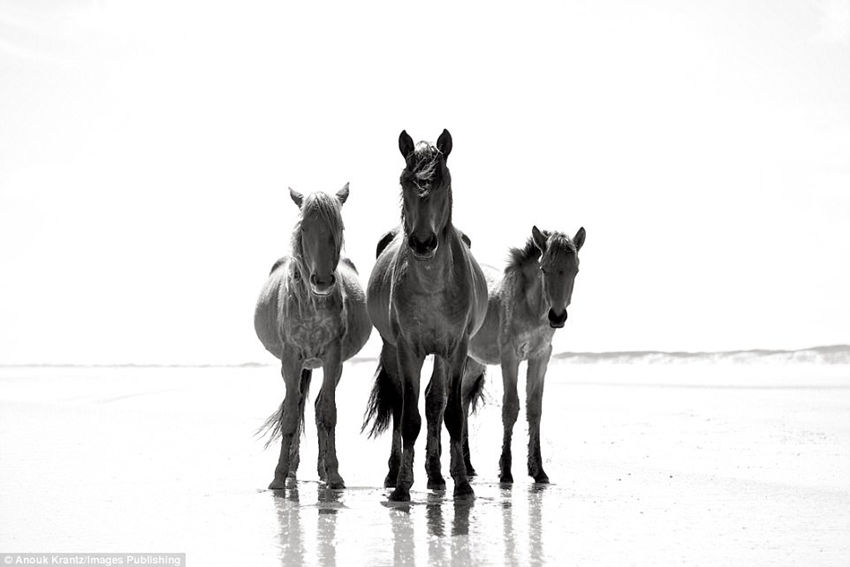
(316, 207)
(558, 243)
(425, 170)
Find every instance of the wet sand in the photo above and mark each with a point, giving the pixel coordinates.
(687, 463)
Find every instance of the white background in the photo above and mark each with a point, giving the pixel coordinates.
(145, 151)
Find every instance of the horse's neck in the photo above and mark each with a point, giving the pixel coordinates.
(532, 292)
(300, 296)
(437, 272)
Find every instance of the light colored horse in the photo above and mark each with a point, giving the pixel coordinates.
(312, 313)
(528, 302)
(426, 295)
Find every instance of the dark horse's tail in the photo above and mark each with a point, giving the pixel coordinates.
(384, 397)
(473, 390)
(271, 429)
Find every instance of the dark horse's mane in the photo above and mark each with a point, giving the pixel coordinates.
(519, 257)
(423, 169)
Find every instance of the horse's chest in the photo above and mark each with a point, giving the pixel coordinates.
(312, 332)
(530, 342)
(432, 320)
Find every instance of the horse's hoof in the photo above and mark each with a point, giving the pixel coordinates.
(470, 471)
(541, 478)
(464, 490)
(390, 481)
(436, 483)
(400, 495)
(278, 484)
(335, 483)
(506, 478)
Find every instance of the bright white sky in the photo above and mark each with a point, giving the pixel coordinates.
(146, 147)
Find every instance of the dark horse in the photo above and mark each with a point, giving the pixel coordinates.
(312, 313)
(426, 295)
(528, 302)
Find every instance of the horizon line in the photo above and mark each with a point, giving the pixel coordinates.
(560, 355)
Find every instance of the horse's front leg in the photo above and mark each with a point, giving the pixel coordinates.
(290, 369)
(534, 410)
(435, 406)
(456, 420)
(326, 416)
(510, 411)
(409, 369)
(294, 454)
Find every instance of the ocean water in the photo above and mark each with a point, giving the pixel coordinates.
(688, 463)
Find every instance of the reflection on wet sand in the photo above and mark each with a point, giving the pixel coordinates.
(536, 497)
(510, 556)
(433, 529)
(436, 528)
(288, 510)
(462, 551)
(404, 546)
(329, 504)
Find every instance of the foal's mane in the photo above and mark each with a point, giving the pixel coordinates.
(422, 169)
(558, 243)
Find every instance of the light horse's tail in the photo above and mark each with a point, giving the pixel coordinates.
(272, 426)
(385, 396)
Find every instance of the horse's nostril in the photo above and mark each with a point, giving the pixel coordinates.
(557, 320)
(319, 282)
(422, 247)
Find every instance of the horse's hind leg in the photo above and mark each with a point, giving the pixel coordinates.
(534, 409)
(291, 372)
(456, 422)
(294, 451)
(326, 418)
(394, 463)
(473, 384)
(392, 389)
(510, 411)
(435, 406)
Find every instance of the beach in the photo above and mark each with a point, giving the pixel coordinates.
(686, 463)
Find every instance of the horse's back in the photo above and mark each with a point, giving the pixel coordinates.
(380, 286)
(478, 282)
(358, 324)
(484, 345)
(266, 311)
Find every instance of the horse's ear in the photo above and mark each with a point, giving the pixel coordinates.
(342, 194)
(296, 197)
(578, 239)
(405, 144)
(444, 144)
(539, 238)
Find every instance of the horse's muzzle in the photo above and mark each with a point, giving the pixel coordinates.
(321, 286)
(423, 250)
(557, 321)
